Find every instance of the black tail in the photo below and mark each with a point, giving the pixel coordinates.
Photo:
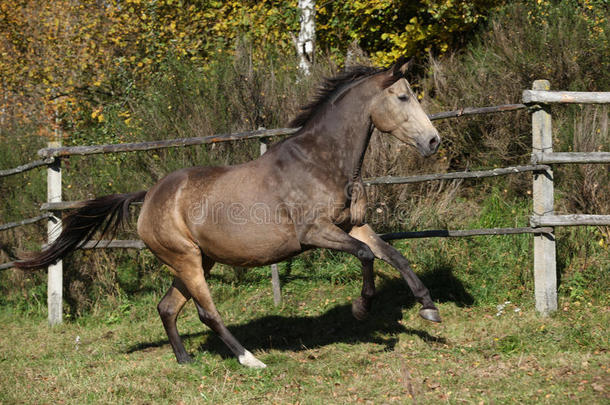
(105, 213)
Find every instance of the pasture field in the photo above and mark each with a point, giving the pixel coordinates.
(316, 352)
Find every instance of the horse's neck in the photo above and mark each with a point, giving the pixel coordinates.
(340, 139)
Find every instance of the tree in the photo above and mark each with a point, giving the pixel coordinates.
(305, 43)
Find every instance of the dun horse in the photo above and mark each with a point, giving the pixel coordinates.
(305, 192)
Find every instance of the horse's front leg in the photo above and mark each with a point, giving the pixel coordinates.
(328, 235)
(361, 306)
(389, 254)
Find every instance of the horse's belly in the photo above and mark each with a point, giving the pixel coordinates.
(236, 217)
(248, 245)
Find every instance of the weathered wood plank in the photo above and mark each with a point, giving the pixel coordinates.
(138, 244)
(169, 143)
(70, 205)
(54, 227)
(565, 97)
(26, 167)
(113, 244)
(276, 285)
(545, 277)
(60, 205)
(453, 175)
(5, 266)
(263, 133)
(27, 221)
(570, 157)
(474, 111)
(569, 220)
(462, 233)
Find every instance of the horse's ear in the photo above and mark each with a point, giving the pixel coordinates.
(401, 66)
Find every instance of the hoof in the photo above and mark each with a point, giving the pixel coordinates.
(247, 359)
(430, 314)
(185, 359)
(359, 311)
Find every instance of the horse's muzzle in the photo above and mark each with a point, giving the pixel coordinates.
(429, 146)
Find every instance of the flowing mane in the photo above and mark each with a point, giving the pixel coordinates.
(330, 86)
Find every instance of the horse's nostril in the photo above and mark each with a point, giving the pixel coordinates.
(434, 142)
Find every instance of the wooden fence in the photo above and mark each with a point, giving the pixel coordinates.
(542, 221)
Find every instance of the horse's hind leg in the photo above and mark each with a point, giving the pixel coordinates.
(187, 267)
(389, 254)
(169, 308)
(210, 316)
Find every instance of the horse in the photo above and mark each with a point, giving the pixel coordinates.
(305, 192)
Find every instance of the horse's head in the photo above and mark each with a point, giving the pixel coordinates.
(397, 111)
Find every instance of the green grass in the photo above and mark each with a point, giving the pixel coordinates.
(315, 352)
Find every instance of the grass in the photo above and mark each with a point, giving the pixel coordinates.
(315, 350)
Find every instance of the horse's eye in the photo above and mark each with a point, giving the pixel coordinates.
(403, 97)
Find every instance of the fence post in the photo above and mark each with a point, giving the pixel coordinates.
(545, 273)
(275, 275)
(55, 271)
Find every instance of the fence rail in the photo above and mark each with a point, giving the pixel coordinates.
(454, 175)
(437, 233)
(5, 266)
(4, 227)
(570, 220)
(463, 233)
(570, 157)
(542, 221)
(170, 143)
(114, 244)
(50, 153)
(68, 205)
(25, 167)
(565, 97)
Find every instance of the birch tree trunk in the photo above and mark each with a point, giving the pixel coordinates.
(307, 36)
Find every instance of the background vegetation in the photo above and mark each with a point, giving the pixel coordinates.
(139, 70)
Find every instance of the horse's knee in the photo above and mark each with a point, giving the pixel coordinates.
(167, 310)
(365, 253)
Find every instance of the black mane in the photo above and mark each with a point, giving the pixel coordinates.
(330, 86)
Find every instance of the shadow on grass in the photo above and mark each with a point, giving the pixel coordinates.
(337, 325)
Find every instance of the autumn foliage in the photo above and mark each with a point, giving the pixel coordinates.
(66, 55)
(73, 56)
